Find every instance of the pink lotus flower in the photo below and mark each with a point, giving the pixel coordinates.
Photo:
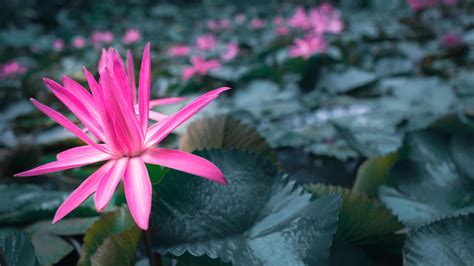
(179, 50)
(450, 40)
(299, 19)
(257, 23)
(307, 47)
(98, 38)
(127, 141)
(224, 24)
(231, 52)
(240, 18)
(326, 19)
(450, 2)
(416, 5)
(78, 42)
(212, 25)
(278, 21)
(131, 36)
(11, 69)
(58, 44)
(282, 31)
(199, 66)
(206, 42)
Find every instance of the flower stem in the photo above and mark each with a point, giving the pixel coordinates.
(155, 258)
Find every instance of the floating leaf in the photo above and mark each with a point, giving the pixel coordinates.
(362, 220)
(16, 249)
(425, 184)
(111, 232)
(373, 173)
(224, 132)
(258, 218)
(446, 242)
(346, 80)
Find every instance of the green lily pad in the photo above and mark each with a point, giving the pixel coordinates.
(374, 173)
(258, 218)
(16, 249)
(426, 185)
(446, 242)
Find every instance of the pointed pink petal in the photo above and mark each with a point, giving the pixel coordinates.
(166, 101)
(144, 88)
(82, 94)
(81, 193)
(131, 75)
(80, 151)
(185, 162)
(108, 184)
(66, 123)
(160, 130)
(102, 61)
(138, 191)
(157, 116)
(188, 73)
(93, 85)
(65, 164)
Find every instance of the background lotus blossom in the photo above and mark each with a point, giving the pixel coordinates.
(257, 23)
(126, 141)
(79, 42)
(299, 19)
(179, 50)
(232, 50)
(307, 47)
(11, 69)
(199, 66)
(101, 37)
(131, 36)
(206, 42)
(58, 44)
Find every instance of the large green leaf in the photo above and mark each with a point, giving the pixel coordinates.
(28, 203)
(362, 220)
(373, 173)
(462, 150)
(112, 232)
(224, 132)
(425, 184)
(16, 249)
(446, 242)
(258, 218)
(57, 248)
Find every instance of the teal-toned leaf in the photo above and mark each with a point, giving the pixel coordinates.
(446, 242)
(425, 184)
(258, 218)
(112, 231)
(346, 80)
(374, 173)
(224, 132)
(462, 151)
(362, 220)
(16, 249)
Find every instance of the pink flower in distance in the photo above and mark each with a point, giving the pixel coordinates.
(307, 47)
(282, 31)
(131, 36)
(450, 2)
(299, 19)
(78, 42)
(416, 5)
(450, 40)
(179, 50)
(213, 25)
(105, 37)
(11, 69)
(257, 23)
(326, 19)
(58, 44)
(206, 42)
(231, 52)
(240, 18)
(225, 24)
(126, 141)
(199, 66)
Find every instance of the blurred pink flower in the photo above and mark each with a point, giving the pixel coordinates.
(240, 18)
(450, 2)
(299, 19)
(451, 40)
(206, 42)
(279, 21)
(308, 46)
(212, 25)
(199, 66)
(58, 44)
(326, 19)
(431, 3)
(257, 23)
(179, 50)
(282, 31)
(231, 52)
(127, 140)
(78, 42)
(416, 5)
(11, 69)
(131, 36)
(98, 38)
(225, 24)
